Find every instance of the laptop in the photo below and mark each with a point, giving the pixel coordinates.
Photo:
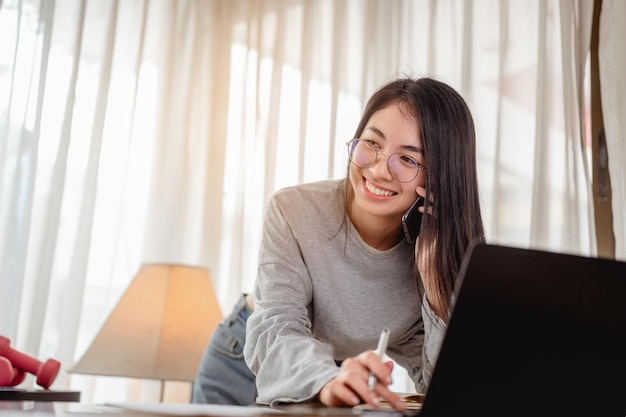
(533, 333)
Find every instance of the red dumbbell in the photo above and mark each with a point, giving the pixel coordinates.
(10, 376)
(6, 372)
(46, 372)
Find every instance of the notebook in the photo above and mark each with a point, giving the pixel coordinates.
(533, 333)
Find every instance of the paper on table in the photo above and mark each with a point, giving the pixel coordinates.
(183, 409)
(412, 401)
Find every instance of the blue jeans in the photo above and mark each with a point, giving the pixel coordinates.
(223, 376)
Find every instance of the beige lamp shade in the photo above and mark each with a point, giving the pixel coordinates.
(159, 329)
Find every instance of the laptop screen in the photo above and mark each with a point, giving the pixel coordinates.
(533, 333)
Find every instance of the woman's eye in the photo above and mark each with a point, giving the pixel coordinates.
(372, 143)
(409, 160)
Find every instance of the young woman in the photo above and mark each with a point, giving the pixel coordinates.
(335, 267)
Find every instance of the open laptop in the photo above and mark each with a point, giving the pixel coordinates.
(533, 333)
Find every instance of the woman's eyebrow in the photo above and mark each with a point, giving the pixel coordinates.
(378, 132)
(413, 148)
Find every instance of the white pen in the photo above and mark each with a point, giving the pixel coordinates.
(380, 351)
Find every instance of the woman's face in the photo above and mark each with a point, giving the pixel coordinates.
(376, 191)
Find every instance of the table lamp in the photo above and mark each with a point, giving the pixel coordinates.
(159, 329)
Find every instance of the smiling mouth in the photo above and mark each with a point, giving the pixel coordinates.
(377, 191)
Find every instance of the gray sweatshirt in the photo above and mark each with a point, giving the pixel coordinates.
(323, 295)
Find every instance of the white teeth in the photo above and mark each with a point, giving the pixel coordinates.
(377, 191)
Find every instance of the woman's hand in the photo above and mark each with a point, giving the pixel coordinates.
(350, 387)
(421, 191)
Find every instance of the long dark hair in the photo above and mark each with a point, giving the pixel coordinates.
(447, 129)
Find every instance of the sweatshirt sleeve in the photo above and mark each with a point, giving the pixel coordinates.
(290, 365)
(434, 331)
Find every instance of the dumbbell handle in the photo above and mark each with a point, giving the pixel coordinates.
(46, 371)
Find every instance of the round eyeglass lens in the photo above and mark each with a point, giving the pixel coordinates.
(402, 167)
(362, 154)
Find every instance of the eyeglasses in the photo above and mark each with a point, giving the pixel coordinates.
(364, 153)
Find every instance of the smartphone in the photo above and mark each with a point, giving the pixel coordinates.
(412, 220)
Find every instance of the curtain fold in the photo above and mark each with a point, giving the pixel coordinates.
(66, 306)
(155, 131)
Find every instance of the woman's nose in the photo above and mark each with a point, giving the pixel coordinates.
(380, 167)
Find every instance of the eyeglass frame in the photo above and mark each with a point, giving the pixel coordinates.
(420, 167)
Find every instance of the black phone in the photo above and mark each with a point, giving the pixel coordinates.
(412, 220)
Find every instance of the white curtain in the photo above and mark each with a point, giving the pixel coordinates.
(154, 130)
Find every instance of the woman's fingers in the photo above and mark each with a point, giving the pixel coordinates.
(337, 394)
(350, 386)
(421, 191)
(383, 392)
(344, 388)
